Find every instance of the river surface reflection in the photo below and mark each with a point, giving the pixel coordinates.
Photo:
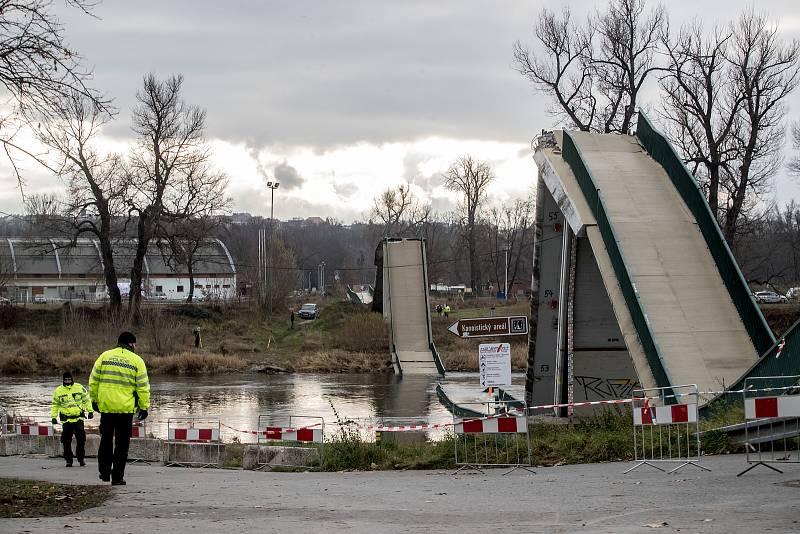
(238, 400)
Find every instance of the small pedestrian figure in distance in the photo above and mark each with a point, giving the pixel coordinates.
(291, 318)
(447, 310)
(439, 309)
(198, 341)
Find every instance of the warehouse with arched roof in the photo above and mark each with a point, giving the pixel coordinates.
(47, 269)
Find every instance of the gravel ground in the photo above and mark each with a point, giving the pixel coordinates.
(580, 498)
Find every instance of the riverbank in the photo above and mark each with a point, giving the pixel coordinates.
(345, 338)
(580, 498)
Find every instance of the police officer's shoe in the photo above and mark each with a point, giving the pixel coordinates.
(69, 464)
(105, 478)
(81, 463)
(118, 483)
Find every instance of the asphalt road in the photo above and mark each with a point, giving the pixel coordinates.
(581, 498)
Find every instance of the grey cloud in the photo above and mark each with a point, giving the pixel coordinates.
(288, 176)
(345, 189)
(326, 73)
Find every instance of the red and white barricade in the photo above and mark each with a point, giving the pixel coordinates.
(138, 430)
(183, 436)
(35, 429)
(501, 424)
(26, 425)
(498, 436)
(293, 432)
(772, 421)
(666, 428)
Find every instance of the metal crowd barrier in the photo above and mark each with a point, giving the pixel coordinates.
(295, 434)
(772, 421)
(501, 438)
(666, 427)
(182, 431)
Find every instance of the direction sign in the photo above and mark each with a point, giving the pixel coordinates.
(490, 326)
(494, 364)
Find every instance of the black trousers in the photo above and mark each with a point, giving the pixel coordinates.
(67, 431)
(115, 437)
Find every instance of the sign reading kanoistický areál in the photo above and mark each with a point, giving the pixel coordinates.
(490, 326)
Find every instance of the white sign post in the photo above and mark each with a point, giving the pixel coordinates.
(494, 364)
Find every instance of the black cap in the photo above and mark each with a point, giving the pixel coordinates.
(126, 338)
(66, 375)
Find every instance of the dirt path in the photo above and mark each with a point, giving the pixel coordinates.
(585, 498)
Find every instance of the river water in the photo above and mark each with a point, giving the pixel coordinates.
(238, 400)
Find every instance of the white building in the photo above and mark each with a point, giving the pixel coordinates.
(60, 270)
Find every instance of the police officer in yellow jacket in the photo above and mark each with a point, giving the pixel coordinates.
(119, 387)
(70, 404)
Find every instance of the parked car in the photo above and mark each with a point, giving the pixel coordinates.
(4, 301)
(40, 299)
(769, 297)
(308, 311)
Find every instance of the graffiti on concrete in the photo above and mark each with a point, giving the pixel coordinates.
(605, 388)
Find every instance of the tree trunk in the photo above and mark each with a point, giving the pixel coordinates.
(135, 296)
(109, 270)
(190, 268)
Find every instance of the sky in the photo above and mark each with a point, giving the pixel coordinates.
(338, 100)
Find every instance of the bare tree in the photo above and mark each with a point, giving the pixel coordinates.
(765, 71)
(37, 65)
(794, 164)
(510, 229)
(400, 212)
(594, 72)
(724, 109)
(701, 104)
(470, 178)
(185, 239)
(96, 185)
(170, 178)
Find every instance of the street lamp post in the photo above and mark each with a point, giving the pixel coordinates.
(272, 187)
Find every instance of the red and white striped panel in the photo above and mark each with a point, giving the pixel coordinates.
(34, 429)
(305, 435)
(494, 425)
(138, 431)
(783, 406)
(665, 415)
(194, 434)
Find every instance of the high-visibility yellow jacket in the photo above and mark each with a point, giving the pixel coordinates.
(119, 383)
(69, 403)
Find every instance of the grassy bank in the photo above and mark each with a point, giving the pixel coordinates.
(27, 498)
(345, 338)
(607, 437)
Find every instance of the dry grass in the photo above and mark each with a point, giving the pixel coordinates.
(363, 332)
(25, 353)
(196, 362)
(339, 361)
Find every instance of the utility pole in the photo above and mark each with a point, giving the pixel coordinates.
(272, 187)
(506, 286)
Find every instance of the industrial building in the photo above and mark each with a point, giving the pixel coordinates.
(52, 269)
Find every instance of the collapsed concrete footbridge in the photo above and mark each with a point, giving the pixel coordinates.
(634, 284)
